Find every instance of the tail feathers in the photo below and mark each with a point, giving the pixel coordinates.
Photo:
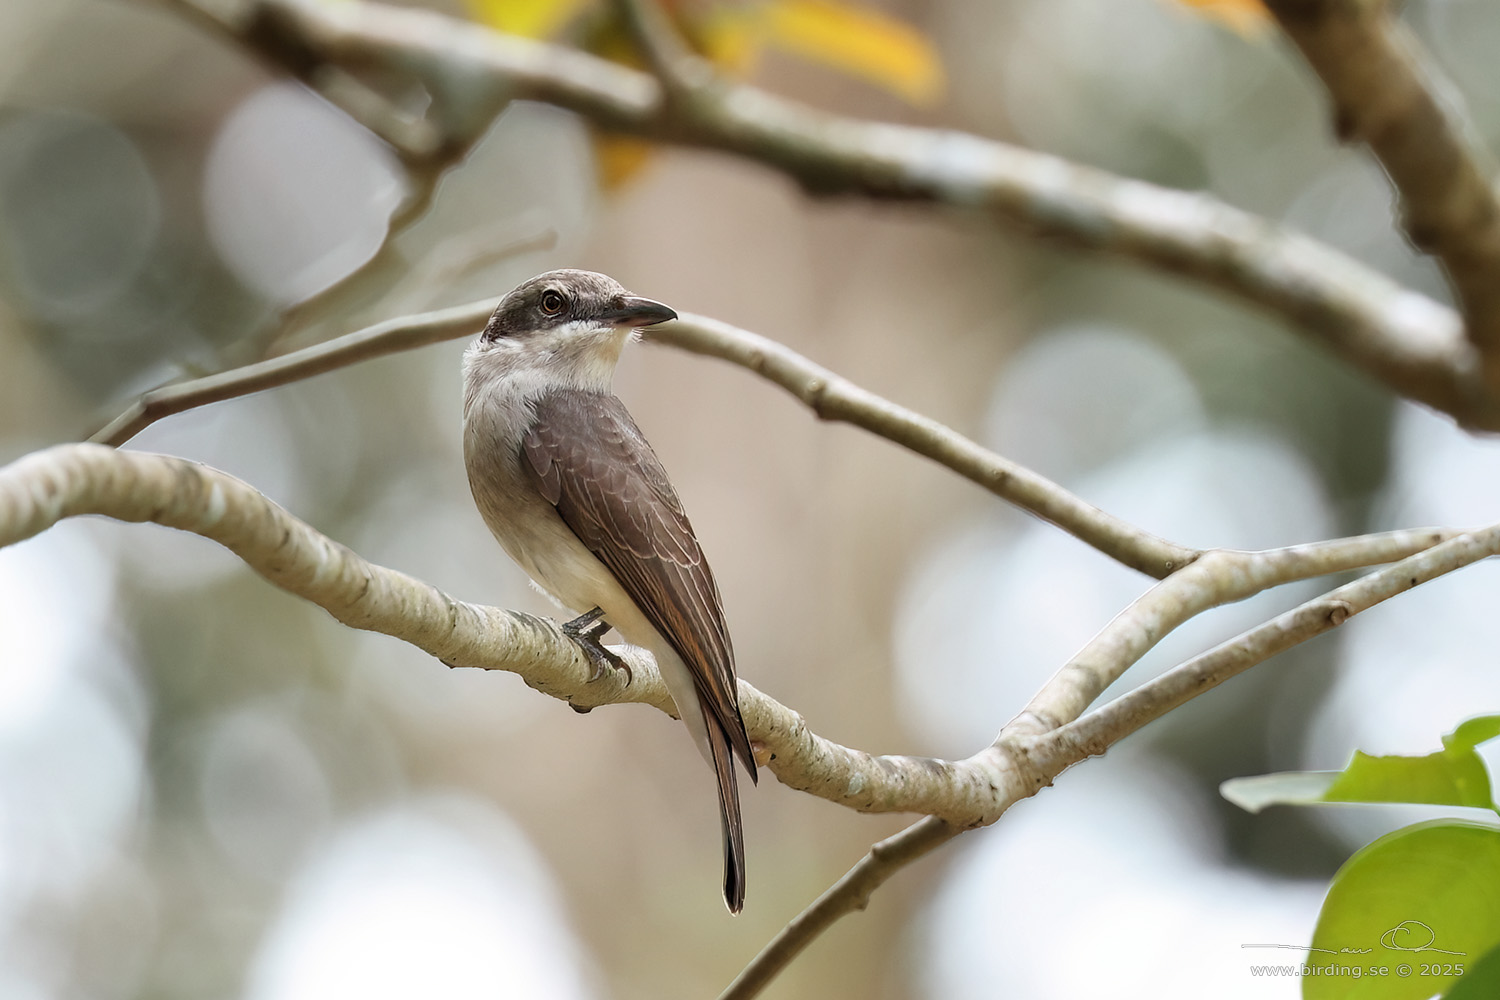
(740, 741)
(729, 814)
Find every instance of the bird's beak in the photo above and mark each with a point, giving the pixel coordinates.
(633, 310)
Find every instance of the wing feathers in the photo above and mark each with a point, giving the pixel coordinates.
(592, 463)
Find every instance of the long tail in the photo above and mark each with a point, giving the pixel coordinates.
(729, 814)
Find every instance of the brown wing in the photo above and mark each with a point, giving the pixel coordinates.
(592, 462)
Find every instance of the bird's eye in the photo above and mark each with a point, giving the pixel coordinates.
(553, 302)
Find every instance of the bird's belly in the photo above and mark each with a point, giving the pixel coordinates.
(548, 551)
(572, 576)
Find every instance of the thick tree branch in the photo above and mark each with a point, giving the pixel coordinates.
(1386, 93)
(40, 489)
(68, 480)
(1413, 344)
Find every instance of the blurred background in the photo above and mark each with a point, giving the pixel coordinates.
(210, 789)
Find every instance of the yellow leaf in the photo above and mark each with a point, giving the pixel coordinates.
(618, 159)
(528, 18)
(729, 37)
(732, 36)
(1248, 17)
(861, 42)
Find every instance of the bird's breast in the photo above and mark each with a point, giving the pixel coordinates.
(525, 524)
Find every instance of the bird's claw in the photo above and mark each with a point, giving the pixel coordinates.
(586, 630)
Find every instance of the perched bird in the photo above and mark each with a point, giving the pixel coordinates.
(572, 491)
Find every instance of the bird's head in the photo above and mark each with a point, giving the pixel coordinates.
(574, 323)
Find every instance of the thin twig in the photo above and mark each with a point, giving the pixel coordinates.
(1218, 577)
(1037, 751)
(376, 341)
(851, 892)
(427, 148)
(677, 67)
(1387, 92)
(389, 268)
(370, 279)
(833, 397)
(1092, 734)
(828, 394)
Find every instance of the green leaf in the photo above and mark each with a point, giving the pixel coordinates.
(1479, 982)
(1472, 732)
(1453, 776)
(1284, 788)
(1444, 778)
(1408, 915)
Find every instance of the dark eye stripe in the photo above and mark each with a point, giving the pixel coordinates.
(541, 304)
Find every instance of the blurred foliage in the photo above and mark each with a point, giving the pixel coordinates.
(1248, 17)
(852, 39)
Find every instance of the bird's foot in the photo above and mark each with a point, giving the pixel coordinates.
(586, 630)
